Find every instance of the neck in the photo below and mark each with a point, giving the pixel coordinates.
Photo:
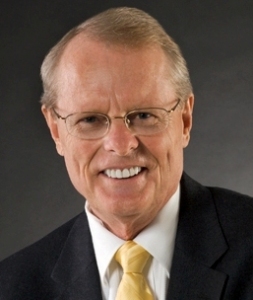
(127, 229)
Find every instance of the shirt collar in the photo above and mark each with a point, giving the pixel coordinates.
(158, 238)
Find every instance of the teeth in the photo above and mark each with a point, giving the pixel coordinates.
(118, 174)
(126, 173)
(132, 172)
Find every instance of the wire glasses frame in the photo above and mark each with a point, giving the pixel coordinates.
(93, 125)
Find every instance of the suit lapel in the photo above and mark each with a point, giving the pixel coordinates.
(199, 245)
(76, 272)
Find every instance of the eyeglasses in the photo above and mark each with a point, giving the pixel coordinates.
(93, 125)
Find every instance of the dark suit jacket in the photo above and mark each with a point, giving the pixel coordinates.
(213, 257)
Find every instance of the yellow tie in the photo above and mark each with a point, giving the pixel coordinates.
(132, 258)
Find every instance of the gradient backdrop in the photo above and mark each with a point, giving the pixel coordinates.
(216, 38)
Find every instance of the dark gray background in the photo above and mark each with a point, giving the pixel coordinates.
(216, 38)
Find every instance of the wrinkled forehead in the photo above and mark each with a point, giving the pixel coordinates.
(91, 65)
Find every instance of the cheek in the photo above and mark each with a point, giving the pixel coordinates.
(160, 150)
(78, 156)
(167, 149)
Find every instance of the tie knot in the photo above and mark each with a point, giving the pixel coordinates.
(132, 257)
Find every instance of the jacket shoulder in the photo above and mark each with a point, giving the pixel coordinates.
(235, 212)
(32, 266)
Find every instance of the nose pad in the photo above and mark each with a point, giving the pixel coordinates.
(119, 138)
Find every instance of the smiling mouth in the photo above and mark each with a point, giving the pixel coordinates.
(121, 174)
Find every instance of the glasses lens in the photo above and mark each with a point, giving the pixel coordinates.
(87, 125)
(147, 121)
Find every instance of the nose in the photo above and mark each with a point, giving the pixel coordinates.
(119, 139)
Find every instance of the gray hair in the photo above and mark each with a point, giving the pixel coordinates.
(130, 27)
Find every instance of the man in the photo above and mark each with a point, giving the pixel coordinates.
(118, 102)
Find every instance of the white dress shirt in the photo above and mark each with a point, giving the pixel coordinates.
(158, 238)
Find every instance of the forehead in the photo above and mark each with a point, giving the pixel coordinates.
(89, 68)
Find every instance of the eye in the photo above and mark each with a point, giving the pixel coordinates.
(89, 119)
(140, 116)
(143, 118)
(143, 115)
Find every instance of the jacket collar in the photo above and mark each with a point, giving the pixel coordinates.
(76, 270)
(199, 245)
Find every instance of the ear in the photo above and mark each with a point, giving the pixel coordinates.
(187, 119)
(53, 127)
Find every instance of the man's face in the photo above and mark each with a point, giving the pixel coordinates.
(114, 80)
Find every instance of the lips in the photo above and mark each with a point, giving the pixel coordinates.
(121, 174)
